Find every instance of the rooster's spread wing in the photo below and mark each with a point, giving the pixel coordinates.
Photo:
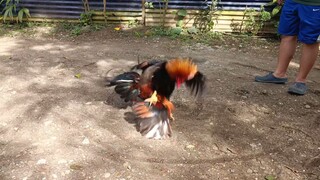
(197, 84)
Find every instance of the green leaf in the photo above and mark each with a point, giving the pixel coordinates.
(182, 13)
(5, 15)
(20, 16)
(265, 16)
(11, 14)
(78, 75)
(269, 177)
(27, 12)
(176, 30)
(192, 30)
(271, 3)
(179, 23)
(276, 10)
(148, 5)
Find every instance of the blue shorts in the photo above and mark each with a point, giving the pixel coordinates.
(300, 20)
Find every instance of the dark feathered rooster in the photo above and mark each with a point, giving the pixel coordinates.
(151, 89)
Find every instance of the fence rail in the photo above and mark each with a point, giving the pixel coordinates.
(125, 11)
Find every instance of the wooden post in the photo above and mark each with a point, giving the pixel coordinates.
(143, 12)
(165, 12)
(105, 10)
(86, 5)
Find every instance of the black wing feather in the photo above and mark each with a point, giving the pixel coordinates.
(197, 84)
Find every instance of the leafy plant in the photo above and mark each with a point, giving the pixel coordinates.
(22, 12)
(169, 32)
(148, 5)
(254, 21)
(86, 18)
(205, 21)
(11, 8)
(181, 14)
(276, 9)
(76, 31)
(133, 23)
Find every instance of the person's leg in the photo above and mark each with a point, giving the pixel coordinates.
(286, 51)
(289, 29)
(309, 34)
(308, 58)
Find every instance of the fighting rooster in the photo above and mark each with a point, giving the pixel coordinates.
(150, 92)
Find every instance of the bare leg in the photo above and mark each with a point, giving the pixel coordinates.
(286, 51)
(308, 58)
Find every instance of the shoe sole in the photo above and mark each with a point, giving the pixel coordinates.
(294, 92)
(273, 82)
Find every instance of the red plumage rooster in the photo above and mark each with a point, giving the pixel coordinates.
(151, 89)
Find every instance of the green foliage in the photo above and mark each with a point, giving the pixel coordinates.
(86, 18)
(254, 21)
(265, 16)
(175, 31)
(86, 24)
(22, 12)
(180, 15)
(179, 23)
(158, 31)
(76, 31)
(251, 24)
(148, 5)
(205, 21)
(188, 34)
(11, 8)
(277, 9)
(208, 37)
(133, 23)
(275, 13)
(169, 32)
(138, 34)
(192, 30)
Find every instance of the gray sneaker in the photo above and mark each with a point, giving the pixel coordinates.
(270, 78)
(298, 88)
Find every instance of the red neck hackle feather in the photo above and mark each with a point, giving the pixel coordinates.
(181, 70)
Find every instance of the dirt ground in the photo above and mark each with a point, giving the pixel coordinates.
(54, 125)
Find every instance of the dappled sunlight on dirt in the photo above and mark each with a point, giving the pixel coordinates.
(294, 65)
(8, 45)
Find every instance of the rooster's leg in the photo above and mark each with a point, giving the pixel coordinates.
(153, 99)
(171, 117)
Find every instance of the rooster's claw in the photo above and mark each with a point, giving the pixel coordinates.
(153, 99)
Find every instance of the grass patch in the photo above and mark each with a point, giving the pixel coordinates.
(47, 28)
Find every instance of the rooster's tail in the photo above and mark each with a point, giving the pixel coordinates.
(152, 122)
(126, 85)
